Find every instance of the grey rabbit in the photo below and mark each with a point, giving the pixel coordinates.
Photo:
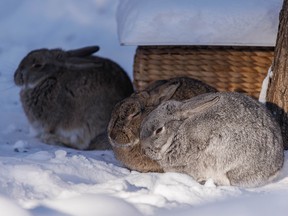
(68, 96)
(124, 126)
(228, 137)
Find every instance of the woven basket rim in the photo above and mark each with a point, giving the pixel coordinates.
(208, 47)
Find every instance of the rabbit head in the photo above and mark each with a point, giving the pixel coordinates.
(35, 67)
(43, 63)
(126, 118)
(124, 125)
(159, 133)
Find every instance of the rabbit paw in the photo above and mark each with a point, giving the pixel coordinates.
(53, 139)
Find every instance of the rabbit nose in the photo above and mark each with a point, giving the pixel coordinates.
(18, 78)
(24, 75)
(146, 144)
(152, 152)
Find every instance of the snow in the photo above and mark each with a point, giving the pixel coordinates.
(192, 22)
(39, 179)
(256, 204)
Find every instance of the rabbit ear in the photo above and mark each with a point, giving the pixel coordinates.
(162, 93)
(82, 52)
(82, 64)
(191, 106)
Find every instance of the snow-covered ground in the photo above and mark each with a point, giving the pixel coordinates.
(39, 179)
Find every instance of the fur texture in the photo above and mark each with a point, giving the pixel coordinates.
(228, 137)
(68, 96)
(124, 127)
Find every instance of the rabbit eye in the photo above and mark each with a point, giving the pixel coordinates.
(136, 114)
(159, 130)
(36, 65)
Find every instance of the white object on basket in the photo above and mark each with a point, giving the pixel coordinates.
(198, 22)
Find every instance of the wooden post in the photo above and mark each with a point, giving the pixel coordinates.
(277, 95)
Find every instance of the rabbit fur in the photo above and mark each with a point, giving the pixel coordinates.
(228, 137)
(124, 126)
(68, 96)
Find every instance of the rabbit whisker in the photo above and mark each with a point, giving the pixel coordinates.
(166, 146)
(126, 145)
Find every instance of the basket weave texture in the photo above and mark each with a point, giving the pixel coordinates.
(240, 69)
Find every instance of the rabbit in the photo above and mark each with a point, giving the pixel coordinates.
(124, 126)
(68, 96)
(227, 137)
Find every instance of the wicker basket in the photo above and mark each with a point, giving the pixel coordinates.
(240, 69)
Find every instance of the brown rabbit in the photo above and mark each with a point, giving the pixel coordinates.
(124, 126)
(68, 96)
